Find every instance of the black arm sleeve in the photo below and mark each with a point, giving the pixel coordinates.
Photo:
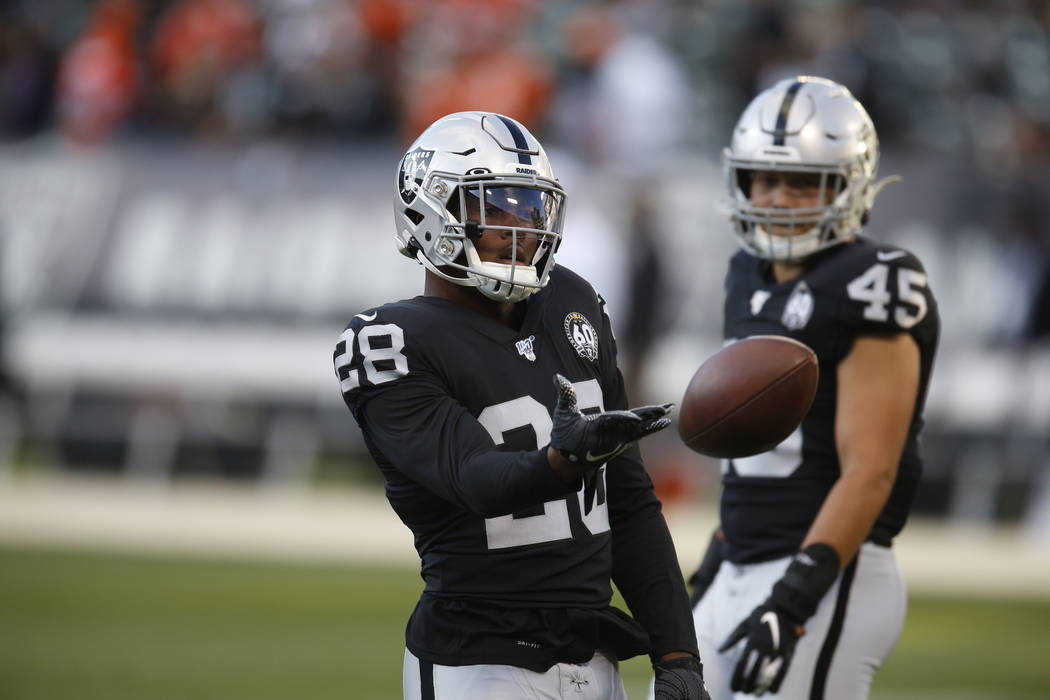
(434, 441)
(645, 564)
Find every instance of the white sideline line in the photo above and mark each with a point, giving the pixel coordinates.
(204, 519)
(340, 525)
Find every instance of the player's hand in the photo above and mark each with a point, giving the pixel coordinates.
(590, 441)
(773, 628)
(771, 637)
(702, 578)
(681, 678)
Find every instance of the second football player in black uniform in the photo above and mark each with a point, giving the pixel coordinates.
(806, 529)
(494, 407)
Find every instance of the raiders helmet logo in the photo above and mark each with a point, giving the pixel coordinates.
(413, 166)
(582, 335)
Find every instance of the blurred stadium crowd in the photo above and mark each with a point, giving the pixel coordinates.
(194, 196)
(953, 76)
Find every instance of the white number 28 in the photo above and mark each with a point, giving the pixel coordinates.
(553, 523)
(371, 355)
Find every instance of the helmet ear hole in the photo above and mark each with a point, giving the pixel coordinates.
(414, 216)
(865, 217)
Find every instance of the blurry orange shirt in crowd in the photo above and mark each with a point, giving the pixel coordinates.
(490, 69)
(385, 21)
(506, 81)
(98, 77)
(211, 35)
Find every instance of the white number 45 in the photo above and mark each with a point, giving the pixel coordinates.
(872, 287)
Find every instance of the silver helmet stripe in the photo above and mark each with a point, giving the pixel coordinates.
(780, 131)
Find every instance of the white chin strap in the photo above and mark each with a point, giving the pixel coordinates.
(492, 279)
(785, 248)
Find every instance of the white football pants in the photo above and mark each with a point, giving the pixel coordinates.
(598, 679)
(847, 639)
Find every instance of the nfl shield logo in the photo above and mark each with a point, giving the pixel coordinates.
(524, 347)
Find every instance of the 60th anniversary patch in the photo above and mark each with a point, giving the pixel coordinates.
(582, 335)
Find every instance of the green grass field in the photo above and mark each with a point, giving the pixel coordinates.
(114, 627)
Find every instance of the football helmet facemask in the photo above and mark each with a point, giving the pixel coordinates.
(803, 125)
(475, 173)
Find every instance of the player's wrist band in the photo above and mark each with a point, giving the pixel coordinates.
(808, 577)
(688, 663)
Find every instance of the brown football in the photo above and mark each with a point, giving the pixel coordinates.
(748, 397)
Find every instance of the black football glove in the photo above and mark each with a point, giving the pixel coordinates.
(679, 679)
(771, 637)
(590, 441)
(701, 579)
(773, 628)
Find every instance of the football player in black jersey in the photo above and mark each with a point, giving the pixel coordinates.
(799, 595)
(494, 407)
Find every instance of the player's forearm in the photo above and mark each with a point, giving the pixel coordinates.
(850, 510)
(495, 483)
(877, 385)
(437, 444)
(646, 571)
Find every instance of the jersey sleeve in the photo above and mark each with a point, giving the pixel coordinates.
(408, 416)
(645, 564)
(614, 394)
(885, 291)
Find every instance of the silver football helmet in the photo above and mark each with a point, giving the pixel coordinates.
(467, 167)
(803, 125)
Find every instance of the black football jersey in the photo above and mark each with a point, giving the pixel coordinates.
(860, 288)
(456, 408)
